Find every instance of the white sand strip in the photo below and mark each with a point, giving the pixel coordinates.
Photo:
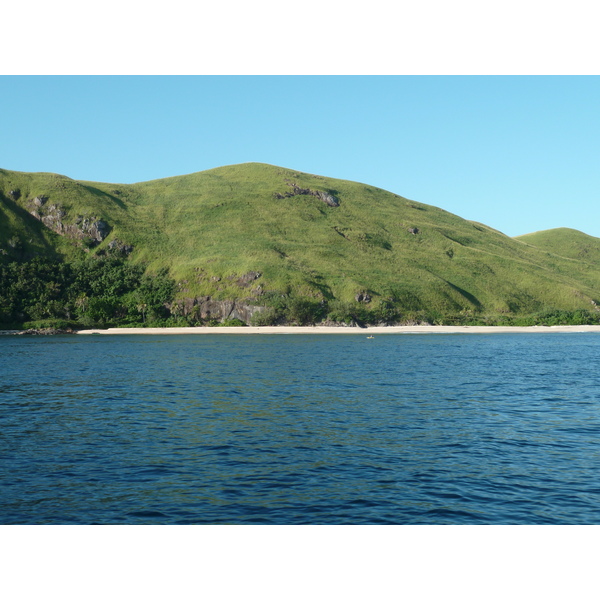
(338, 330)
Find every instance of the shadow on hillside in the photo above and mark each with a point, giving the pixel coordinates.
(322, 287)
(472, 299)
(34, 225)
(100, 194)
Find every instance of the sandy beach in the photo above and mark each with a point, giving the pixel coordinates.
(338, 330)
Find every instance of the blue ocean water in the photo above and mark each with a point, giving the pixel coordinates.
(300, 429)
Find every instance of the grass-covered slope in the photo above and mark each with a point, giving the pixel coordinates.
(211, 228)
(566, 242)
(22, 236)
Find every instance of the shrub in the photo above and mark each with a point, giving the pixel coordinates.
(386, 312)
(265, 318)
(172, 321)
(232, 323)
(48, 324)
(303, 311)
(348, 312)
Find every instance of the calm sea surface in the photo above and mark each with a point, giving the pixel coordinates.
(300, 429)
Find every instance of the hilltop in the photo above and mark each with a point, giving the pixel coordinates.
(255, 240)
(565, 242)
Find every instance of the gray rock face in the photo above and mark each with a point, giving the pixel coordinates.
(46, 331)
(53, 216)
(248, 278)
(15, 194)
(120, 247)
(327, 198)
(92, 227)
(298, 191)
(363, 297)
(206, 309)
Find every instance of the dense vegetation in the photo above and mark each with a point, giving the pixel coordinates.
(307, 312)
(368, 256)
(87, 293)
(111, 291)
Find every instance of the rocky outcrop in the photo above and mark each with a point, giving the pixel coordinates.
(53, 218)
(14, 194)
(44, 331)
(118, 247)
(96, 228)
(248, 278)
(298, 191)
(92, 230)
(204, 308)
(363, 297)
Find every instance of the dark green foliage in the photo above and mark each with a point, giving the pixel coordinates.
(232, 323)
(386, 312)
(303, 311)
(283, 308)
(347, 312)
(546, 318)
(106, 277)
(559, 317)
(155, 291)
(34, 290)
(92, 292)
(265, 318)
(175, 321)
(48, 324)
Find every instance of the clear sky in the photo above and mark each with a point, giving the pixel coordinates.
(519, 154)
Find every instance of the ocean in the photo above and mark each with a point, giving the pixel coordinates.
(300, 429)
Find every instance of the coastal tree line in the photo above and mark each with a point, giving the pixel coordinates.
(87, 293)
(111, 291)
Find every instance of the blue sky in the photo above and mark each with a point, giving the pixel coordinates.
(518, 153)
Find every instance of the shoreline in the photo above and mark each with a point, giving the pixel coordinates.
(290, 330)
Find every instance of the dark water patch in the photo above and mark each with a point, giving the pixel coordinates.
(152, 514)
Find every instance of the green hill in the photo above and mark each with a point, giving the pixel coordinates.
(23, 236)
(261, 235)
(569, 243)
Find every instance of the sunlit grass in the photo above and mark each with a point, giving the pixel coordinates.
(211, 227)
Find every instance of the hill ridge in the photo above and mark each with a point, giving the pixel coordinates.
(303, 236)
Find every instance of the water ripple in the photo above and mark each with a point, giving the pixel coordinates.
(300, 430)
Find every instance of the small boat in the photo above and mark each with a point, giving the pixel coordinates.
(370, 337)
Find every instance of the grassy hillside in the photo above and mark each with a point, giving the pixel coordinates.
(565, 242)
(212, 228)
(22, 236)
